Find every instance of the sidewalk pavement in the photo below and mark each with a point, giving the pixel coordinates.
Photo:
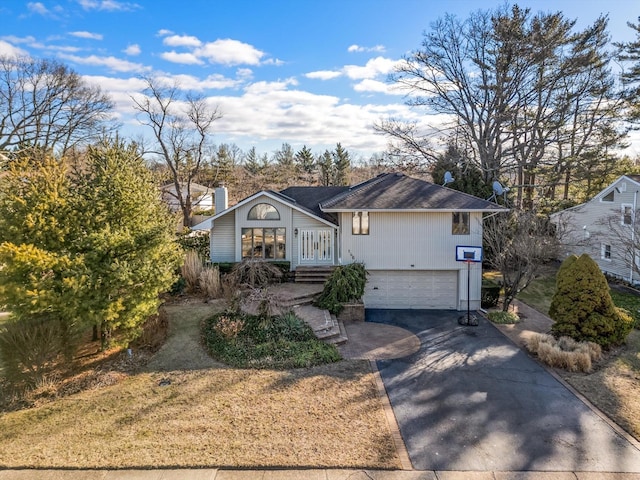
(311, 474)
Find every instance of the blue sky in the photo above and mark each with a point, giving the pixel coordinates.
(297, 71)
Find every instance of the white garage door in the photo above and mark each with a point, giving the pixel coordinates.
(425, 289)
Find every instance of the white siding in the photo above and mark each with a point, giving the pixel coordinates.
(223, 239)
(414, 241)
(583, 229)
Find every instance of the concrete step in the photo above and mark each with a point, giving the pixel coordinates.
(325, 326)
(315, 274)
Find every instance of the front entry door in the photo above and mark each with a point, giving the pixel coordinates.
(316, 246)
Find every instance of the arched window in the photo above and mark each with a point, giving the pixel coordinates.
(263, 211)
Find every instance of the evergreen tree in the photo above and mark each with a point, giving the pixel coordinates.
(630, 52)
(341, 166)
(326, 167)
(305, 161)
(90, 246)
(252, 162)
(126, 237)
(467, 176)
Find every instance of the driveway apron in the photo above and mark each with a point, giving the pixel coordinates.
(469, 399)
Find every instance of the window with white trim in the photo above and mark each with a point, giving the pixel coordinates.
(460, 223)
(609, 197)
(605, 251)
(626, 214)
(263, 211)
(360, 223)
(267, 243)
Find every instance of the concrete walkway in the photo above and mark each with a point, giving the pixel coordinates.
(311, 474)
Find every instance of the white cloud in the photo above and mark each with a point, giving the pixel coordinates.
(374, 67)
(112, 63)
(9, 50)
(323, 74)
(38, 8)
(163, 31)
(358, 48)
(183, 58)
(229, 52)
(133, 50)
(108, 5)
(376, 86)
(84, 34)
(181, 41)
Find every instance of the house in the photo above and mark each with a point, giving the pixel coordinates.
(201, 196)
(404, 230)
(604, 228)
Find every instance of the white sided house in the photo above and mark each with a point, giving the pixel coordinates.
(405, 231)
(605, 228)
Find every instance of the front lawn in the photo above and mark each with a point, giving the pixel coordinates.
(187, 410)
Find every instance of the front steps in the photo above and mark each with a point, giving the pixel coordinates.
(299, 298)
(313, 274)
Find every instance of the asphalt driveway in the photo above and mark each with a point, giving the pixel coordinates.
(469, 399)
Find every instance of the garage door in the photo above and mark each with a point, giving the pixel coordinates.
(426, 289)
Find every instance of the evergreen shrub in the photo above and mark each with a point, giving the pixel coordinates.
(582, 307)
(346, 284)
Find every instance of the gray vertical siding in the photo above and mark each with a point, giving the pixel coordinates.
(583, 229)
(224, 248)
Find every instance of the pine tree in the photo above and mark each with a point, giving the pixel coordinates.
(325, 164)
(341, 166)
(305, 161)
(90, 246)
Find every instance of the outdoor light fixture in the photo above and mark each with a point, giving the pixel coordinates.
(295, 232)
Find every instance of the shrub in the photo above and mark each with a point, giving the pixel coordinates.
(191, 270)
(582, 307)
(346, 284)
(564, 352)
(30, 345)
(490, 294)
(503, 318)
(285, 342)
(209, 282)
(197, 241)
(255, 273)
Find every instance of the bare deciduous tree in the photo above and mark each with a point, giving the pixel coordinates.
(513, 87)
(181, 125)
(47, 105)
(517, 244)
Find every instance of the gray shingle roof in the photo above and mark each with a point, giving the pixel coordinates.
(396, 191)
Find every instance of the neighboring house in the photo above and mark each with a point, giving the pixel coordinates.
(604, 228)
(201, 196)
(404, 230)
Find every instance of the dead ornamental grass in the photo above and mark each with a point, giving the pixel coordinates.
(564, 352)
(326, 416)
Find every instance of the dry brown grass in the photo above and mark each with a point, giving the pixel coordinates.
(191, 270)
(207, 415)
(317, 417)
(209, 282)
(614, 387)
(564, 352)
